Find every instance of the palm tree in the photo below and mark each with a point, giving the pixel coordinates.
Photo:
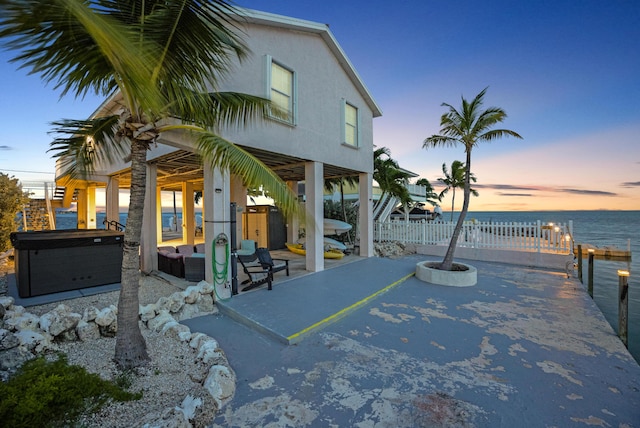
(391, 179)
(469, 126)
(430, 196)
(331, 183)
(453, 181)
(161, 56)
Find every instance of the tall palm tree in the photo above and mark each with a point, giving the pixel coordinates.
(391, 179)
(468, 126)
(454, 180)
(163, 56)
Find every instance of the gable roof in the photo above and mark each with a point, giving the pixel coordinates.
(280, 21)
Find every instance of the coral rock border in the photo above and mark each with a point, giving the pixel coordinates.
(23, 336)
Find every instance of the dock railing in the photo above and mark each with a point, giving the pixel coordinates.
(533, 236)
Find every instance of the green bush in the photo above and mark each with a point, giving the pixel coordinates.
(53, 393)
(12, 198)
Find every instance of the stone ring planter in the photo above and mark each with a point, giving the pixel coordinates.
(427, 272)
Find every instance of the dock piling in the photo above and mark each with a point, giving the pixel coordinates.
(580, 263)
(590, 279)
(623, 306)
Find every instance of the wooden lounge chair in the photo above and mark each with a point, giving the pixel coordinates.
(256, 273)
(271, 264)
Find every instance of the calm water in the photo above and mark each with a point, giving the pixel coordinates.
(599, 228)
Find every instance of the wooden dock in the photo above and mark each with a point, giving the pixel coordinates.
(604, 253)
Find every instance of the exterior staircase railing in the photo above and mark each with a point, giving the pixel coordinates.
(384, 207)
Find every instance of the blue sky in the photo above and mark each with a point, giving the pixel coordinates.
(566, 72)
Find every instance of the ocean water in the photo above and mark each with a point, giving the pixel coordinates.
(599, 228)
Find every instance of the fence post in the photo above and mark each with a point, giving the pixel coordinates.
(623, 306)
(590, 280)
(580, 263)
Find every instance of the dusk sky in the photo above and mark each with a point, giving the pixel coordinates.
(566, 72)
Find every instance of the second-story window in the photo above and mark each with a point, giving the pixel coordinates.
(351, 130)
(281, 89)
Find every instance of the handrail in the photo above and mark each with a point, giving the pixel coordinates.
(116, 226)
(47, 199)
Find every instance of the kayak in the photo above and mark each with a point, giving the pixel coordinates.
(335, 227)
(329, 244)
(328, 254)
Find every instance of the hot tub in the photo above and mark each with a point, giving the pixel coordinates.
(52, 261)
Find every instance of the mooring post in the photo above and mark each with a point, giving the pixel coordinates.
(580, 263)
(623, 306)
(590, 279)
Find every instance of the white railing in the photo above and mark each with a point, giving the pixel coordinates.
(38, 189)
(534, 236)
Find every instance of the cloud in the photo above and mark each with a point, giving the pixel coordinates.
(546, 189)
(506, 187)
(6, 148)
(587, 192)
(514, 194)
(631, 184)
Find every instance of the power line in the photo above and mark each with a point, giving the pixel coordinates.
(30, 172)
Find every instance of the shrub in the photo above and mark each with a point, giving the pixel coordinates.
(52, 393)
(12, 198)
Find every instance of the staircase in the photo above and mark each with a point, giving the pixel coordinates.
(37, 215)
(385, 207)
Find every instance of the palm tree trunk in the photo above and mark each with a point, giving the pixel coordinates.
(447, 263)
(453, 202)
(344, 209)
(131, 348)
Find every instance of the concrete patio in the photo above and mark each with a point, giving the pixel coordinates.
(368, 344)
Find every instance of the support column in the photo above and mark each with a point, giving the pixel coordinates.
(365, 224)
(81, 209)
(149, 236)
(159, 236)
(239, 196)
(188, 214)
(216, 200)
(314, 215)
(293, 222)
(112, 199)
(91, 208)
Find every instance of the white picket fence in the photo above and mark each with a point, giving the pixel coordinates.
(555, 238)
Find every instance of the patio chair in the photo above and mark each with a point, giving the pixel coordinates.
(256, 273)
(247, 247)
(170, 261)
(186, 250)
(273, 265)
(194, 267)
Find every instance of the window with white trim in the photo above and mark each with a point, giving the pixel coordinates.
(281, 89)
(351, 125)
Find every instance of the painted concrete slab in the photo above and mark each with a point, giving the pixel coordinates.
(325, 298)
(525, 347)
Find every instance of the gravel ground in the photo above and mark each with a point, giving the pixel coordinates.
(173, 373)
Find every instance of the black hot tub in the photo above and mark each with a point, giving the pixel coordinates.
(51, 261)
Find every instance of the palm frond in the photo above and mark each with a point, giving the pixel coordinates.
(223, 109)
(79, 48)
(224, 154)
(82, 145)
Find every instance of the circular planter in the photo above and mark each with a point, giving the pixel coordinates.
(426, 271)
